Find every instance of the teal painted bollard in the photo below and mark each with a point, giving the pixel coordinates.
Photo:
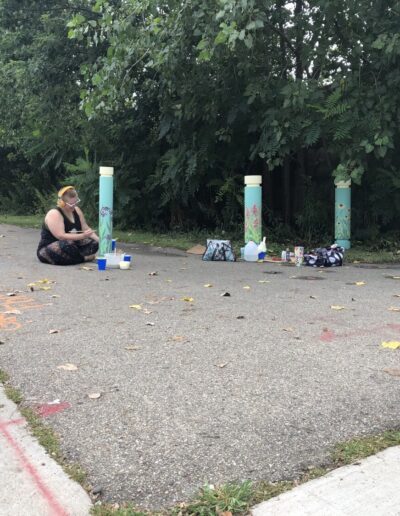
(252, 209)
(106, 209)
(343, 213)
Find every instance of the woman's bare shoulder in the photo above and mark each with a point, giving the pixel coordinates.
(53, 214)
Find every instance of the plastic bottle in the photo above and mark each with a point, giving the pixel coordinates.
(262, 249)
(251, 251)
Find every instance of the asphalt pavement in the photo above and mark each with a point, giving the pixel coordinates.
(189, 386)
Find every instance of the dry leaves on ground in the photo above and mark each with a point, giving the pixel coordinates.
(136, 307)
(391, 344)
(221, 366)
(394, 309)
(68, 367)
(179, 338)
(13, 312)
(392, 372)
(208, 285)
(94, 395)
(337, 307)
(246, 287)
(54, 331)
(187, 299)
(132, 348)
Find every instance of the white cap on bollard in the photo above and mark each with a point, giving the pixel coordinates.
(106, 171)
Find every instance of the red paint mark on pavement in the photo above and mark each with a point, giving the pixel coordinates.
(329, 335)
(18, 421)
(55, 507)
(49, 408)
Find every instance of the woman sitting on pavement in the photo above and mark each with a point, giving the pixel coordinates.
(66, 238)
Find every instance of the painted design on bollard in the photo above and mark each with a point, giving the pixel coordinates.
(105, 230)
(252, 227)
(343, 213)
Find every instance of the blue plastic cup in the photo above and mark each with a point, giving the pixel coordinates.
(101, 264)
(127, 257)
(261, 255)
(113, 244)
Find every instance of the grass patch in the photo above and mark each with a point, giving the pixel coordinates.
(23, 221)
(3, 376)
(359, 448)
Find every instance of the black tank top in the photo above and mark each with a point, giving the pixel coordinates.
(47, 237)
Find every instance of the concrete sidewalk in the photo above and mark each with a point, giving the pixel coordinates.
(368, 488)
(31, 482)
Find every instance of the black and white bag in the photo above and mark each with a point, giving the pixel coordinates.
(331, 256)
(219, 251)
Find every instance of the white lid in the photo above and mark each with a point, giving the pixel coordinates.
(106, 171)
(252, 180)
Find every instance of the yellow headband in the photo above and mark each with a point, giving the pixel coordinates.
(65, 189)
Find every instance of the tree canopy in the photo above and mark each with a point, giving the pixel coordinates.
(185, 98)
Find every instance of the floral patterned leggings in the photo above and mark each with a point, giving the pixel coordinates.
(67, 252)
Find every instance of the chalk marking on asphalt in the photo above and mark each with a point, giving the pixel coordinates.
(329, 335)
(10, 422)
(8, 322)
(55, 507)
(48, 409)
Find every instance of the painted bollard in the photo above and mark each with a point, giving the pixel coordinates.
(106, 209)
(343, 213)
(252, 209)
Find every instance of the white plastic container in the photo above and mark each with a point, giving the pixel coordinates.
(113, 260)
(251, 251)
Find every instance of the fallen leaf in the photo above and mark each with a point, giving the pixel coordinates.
(54, 331)
(207, 285)
(150, 324)
(2, 342)
(221, 366)
(68, 367)
(396, 295)
(132, 348)
(10, 294)
(84, 268)
(55, 295)
(44, 288)
(392, 372)
(169, 280)
(394, 309)
(147, 312)
(153, 273)
(183, 269)
(94, 395)
(225, 294)
(337, 307)
(313, 297)
(263, 281)
(178, 338)
(240, 317)
(45, 280)
(2, 236)
(136, 307)
(188, 299)
(288, 329)
(359, 283)
(246, 287)
(13, 312)
(392, 344)
(31, 285)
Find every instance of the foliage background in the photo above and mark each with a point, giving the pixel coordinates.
(185, 98)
